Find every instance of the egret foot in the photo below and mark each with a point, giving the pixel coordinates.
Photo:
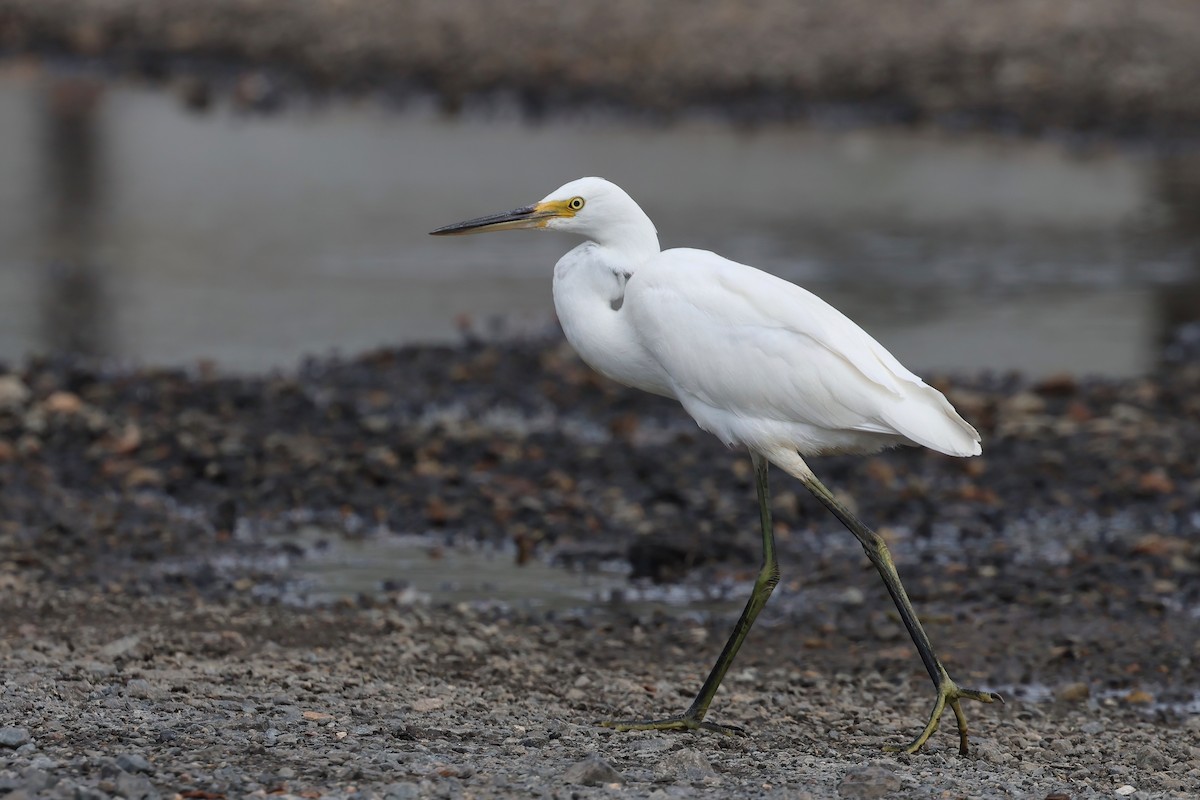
(948, 695)
(680, 723)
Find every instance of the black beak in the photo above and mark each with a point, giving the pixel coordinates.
(525, 217)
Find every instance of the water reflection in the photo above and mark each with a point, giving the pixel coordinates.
(73, 312)
(257, 240)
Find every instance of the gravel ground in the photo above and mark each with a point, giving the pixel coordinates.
(156, 639)
(1123, 66)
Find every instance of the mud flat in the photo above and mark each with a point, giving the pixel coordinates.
(158, 637)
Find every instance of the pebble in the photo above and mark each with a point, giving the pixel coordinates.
(1074, 692)
(121, 647)
(136, 787)
(870, 782)
(13, 393)
(402, 791)
(132, 762)
(687, 765)
(1150, 758)
(592, 771)
(13, 737)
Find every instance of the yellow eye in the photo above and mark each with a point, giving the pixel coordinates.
(575, 203)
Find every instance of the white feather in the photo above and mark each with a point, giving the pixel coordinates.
(756, 360)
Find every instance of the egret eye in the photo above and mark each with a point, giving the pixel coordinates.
(575, 203)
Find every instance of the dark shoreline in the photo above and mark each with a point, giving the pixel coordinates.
(144, 552)
(1117, 68)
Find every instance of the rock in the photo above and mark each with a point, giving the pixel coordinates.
(402, 791)
(120, 647)
(143, 477)
(140, 687)
(687, 765)
(870, 782)
(136, 787)
(1024, 404)
(13, 393)
(132, 762)
(592, 771)
(13, 737)
(990, 752)
(1155, 482)
(60, 402)
(1150, 757)
(37, 780)
(1074, 693)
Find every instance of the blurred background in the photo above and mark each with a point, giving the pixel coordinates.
(249, 183)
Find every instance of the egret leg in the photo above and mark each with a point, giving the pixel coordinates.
(768, 577)
(949, 693)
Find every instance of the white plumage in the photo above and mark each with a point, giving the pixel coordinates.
(756, 361)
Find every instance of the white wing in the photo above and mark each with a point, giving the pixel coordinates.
(747, 352)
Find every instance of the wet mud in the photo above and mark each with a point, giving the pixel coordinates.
(157, 637)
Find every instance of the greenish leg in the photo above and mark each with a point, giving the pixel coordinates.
(948, 692)
(768, 576)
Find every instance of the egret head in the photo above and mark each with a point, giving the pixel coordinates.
(591, 207)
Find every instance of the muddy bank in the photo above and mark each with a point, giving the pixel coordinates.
(522, 443)
(155, 639)
(1117, 66)
(108, 696)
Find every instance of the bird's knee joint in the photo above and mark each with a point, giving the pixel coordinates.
(769, 578)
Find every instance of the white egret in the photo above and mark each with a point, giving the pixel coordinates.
(758, 362)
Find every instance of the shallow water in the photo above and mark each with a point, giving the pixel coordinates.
(425, 570)
(137, 230)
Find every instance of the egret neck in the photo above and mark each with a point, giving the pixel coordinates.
(590, 283)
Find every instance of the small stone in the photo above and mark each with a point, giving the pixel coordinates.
(684, 765)
(120, 647)
(317, 716)
(36, 779)
(63, 403)
(1125, 790)
(1150, 758)
(1074, 692)
(1154, 482)
(871, 782)
(13, 392)
(592, 771)
(135, 787)
(1024, 404)
(143, 477)
(427, 704)
(13, 737)
(853, 596)
(991, 752)
(402, 791)
(132, 762)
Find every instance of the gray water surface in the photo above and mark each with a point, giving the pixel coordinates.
(139, 231)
